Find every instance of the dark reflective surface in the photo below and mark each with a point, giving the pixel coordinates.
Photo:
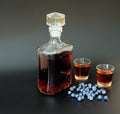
(93, 27)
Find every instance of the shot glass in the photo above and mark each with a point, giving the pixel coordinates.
(104, 74)
(81, 68)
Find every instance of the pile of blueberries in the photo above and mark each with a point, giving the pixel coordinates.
(88, 91)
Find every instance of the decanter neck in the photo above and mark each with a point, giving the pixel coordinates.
(55, 31)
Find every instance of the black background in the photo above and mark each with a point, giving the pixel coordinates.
(93, 27)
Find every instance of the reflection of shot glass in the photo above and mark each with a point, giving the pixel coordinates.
(104, 74)
(81, 68)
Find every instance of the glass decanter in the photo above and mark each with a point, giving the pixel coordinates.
(54, 58)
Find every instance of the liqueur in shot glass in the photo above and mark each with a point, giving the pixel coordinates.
(81, 68)
(104, 74)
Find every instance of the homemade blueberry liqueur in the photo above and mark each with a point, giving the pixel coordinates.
(54, 58)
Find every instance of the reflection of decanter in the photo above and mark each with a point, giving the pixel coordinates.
(54, 58)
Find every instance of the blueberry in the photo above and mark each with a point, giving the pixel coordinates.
(93, 95)
(86, 85)
(90, 85)
(96, 85)
(87, 93)
(82, 97)
(78, 89)
(99, 86)
(96, 93)
(83, 84)
(103, 92)
(76, 95)
(80, 85)
(91, 92)
(99, 97)
(73, 95)
(79, 98)
(86, 89)
(84, 93)
(69, 92)
(80, 94)
(72, 88)
(94, 88)
(81, 90)
(90, 98)
(105, 98)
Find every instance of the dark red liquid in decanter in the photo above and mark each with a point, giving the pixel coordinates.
(54, 72)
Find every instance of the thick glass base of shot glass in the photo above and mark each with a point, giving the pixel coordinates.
(81, 78)
(104, 85)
